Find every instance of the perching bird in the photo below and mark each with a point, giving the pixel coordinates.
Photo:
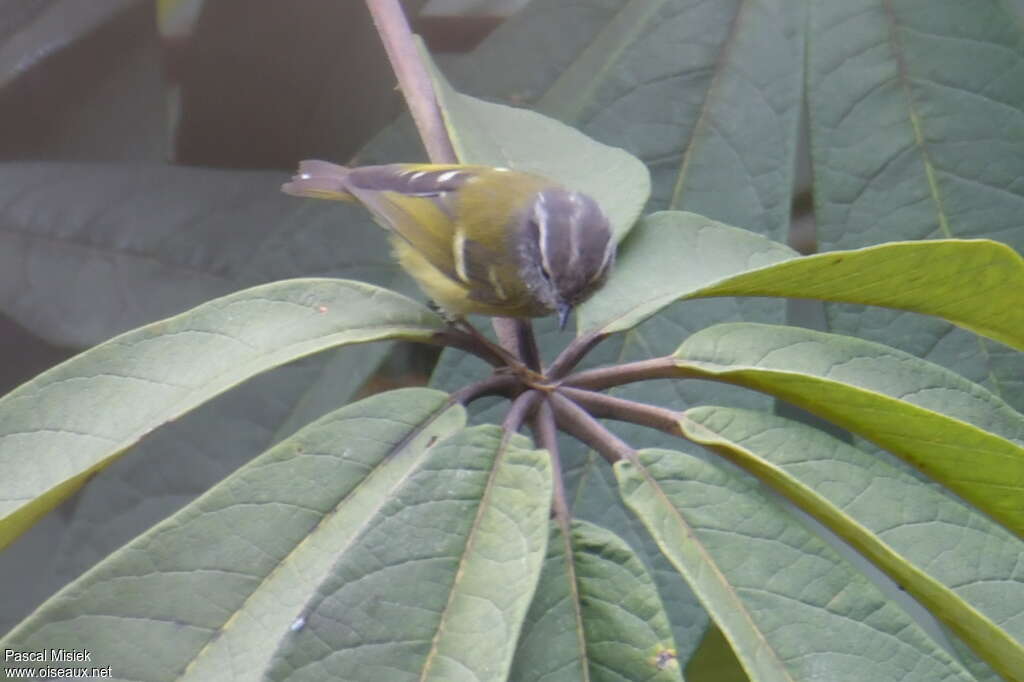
(479, 239)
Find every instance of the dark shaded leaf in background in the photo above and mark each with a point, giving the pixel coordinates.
(917, 131)
(265, 84)
(80, 81)
(90, 250)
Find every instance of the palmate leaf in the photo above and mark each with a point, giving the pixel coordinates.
(211, 591)
(438, 583)
(52, 437)
(925, 540)
(640, 75)
(789, 606)
(596, 614)
(958, 433)
(674, 256)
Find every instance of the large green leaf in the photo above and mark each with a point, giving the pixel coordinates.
(708, 94)
(789, 606)
(594, 495)
(917, 131)
(917, 120)
(675, 256)
(172, 466)
(669, 256)
(928, 542)
(952, 429)
(552, 645)
(498, 135)
(438, 583)
(53, 438)
(211, 591)
(596, 614)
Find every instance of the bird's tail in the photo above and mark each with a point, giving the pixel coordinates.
(319, 180)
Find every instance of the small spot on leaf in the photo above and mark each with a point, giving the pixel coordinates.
(666, 658)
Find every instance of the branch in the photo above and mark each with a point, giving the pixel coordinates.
(620, 409)
(607, 377)
(418, 90)
(578, 423)
(413, 78)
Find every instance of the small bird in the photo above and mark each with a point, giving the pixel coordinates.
(479, 239)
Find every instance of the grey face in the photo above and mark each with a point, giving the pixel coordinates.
(567, 248)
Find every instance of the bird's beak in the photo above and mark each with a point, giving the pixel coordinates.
(564, 310)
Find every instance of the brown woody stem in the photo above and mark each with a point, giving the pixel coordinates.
(413, 78)
(418, 90)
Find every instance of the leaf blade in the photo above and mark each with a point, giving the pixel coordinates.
(925, 414)
(154, 374)
(420, 587)
(498, 135)
(209, 604)
(926, 541)
(786, 616)
(977, 284)
(596, 615)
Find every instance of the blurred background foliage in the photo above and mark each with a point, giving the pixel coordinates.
(144, 143)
